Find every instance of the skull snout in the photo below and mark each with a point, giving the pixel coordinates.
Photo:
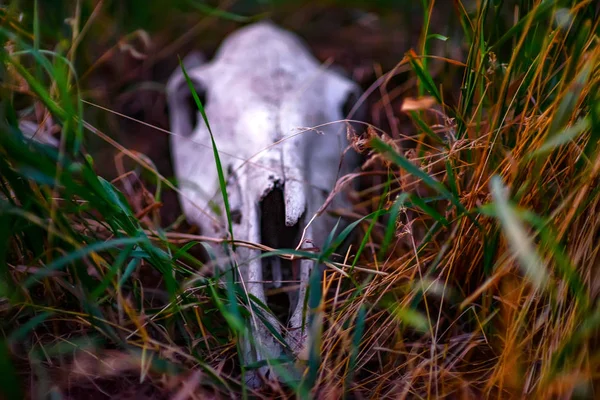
(281, 281)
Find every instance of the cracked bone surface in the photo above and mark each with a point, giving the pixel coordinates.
(262, 85)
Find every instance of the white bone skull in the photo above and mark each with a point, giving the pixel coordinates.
(263, 85)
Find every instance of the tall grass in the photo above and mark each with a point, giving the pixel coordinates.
(475, 273)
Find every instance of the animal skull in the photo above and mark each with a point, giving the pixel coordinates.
(262, 85)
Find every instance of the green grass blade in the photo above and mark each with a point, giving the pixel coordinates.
(76, 255)
(404, 163)
(390, 230)
(570, 99)
(20, 333)
(542, 11)
(10, 384)
(212, 11)
(328, 241)
(131, 266)
(563, 137)
(516, 234)
(378, 212)
(424, 77)
(222, 182)
(409, 317)
(356, 340)
(432, 212)
(112, 272)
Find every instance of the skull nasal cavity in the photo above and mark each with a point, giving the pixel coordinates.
(273, 230)
(276, 234)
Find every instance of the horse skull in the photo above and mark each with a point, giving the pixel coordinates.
(261, 86)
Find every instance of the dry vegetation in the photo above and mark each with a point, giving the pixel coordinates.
(475, 269)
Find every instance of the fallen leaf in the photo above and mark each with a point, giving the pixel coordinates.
(421, 103)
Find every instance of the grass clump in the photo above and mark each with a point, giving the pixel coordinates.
(476, 268)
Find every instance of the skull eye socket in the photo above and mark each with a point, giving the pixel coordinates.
(349, 103)
(191, 109)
